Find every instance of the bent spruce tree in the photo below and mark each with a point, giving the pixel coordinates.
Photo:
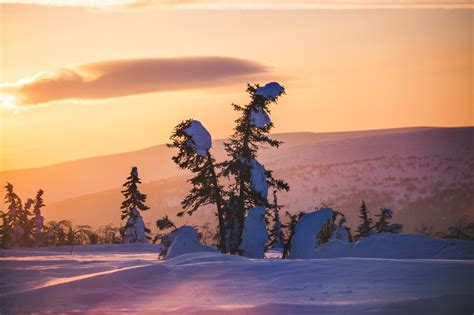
(250, 134)
(193, 142)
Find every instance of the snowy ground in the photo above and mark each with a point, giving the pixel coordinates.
(129, 278)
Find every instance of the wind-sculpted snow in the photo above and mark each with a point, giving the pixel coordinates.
(130, 279)
(185, 240)
(258, 178)
(201, 140)
(255, 234)
(303, 242)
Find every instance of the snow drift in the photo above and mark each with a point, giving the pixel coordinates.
(185, 240)
(303, 242)
(398, 246)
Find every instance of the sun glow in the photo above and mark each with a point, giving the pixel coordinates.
(8, 101)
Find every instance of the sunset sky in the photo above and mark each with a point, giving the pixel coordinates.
(86, 78)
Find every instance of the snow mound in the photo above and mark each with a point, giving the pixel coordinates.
(270, 91)
(135, 231)
(259, 118)
(185, 240)
(399, 246)
(255, 234)
(258, 178)
(201, 140)
(303, 243)
(340, 234)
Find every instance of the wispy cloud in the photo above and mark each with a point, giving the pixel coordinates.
(256, 4)
(116, 78)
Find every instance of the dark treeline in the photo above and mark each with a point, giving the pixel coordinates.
(23, 226)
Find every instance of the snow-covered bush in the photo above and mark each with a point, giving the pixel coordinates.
(303, 243)
(184, 240)
(255, 234)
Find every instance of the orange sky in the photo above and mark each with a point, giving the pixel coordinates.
(80, 81)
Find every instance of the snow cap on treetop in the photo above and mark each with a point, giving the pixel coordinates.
(270, 91)
(259, 118)
(200, 138)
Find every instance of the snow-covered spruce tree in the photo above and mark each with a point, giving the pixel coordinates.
(134, 230)
(193, 142)
(13, 217)
(364, 228)
(38, 219)
(251, 179)
(277, 239)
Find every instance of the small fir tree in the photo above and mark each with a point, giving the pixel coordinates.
(364, 228)
(134, 230)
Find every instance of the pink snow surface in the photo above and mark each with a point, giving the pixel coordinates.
(130, 279)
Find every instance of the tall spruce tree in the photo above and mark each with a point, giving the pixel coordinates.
(277, 240)
(193, 142)
(250, 134)
(38, 220)
(13, 217)
(364, 227)
(134, 230)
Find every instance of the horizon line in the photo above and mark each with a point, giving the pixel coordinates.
(222, 139)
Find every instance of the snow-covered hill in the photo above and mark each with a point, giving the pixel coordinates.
(130, 279)
(424, 174)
